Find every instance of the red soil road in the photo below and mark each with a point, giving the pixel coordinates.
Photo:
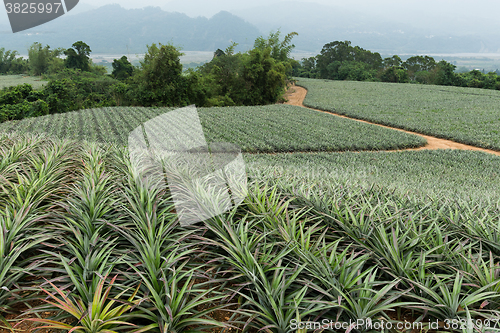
(296, 95)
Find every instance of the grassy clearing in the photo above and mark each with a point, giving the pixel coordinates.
(467, 115)
(274, 128)
(14, 80)
(300, 248)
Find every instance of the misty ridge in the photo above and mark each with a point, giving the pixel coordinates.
(196, 25)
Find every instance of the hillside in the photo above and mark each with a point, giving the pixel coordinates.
(113, 29)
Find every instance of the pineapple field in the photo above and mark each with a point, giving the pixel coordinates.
(256, 129)
(465, 115)
(336, 233)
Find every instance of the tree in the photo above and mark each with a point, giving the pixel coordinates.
(78, 56)
(222, 77)
(253, 78)
(305, 68)
(122, 68)
(11, 63)
(419, 64)
(355, 71)
(41, 59)
(333, 52)
(337, 55)
(219, 53)
(280, 50)
(395, 74)
(393, 61)
(160, 80)
(373, 60)
(445, 74)
(265, 78)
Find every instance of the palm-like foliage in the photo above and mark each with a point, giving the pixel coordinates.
(89, 248)
(178, 303)
(266, 281)
(15, 241)
(160, 258)
(446, 299)
(297, 248)
(399, 251)
(100, 314)
(28, 186)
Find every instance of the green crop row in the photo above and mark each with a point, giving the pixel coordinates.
(444, 174)
(95, 247)
(467, 115)
(274, 128)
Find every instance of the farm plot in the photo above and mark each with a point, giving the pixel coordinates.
(83, 231)
(466, 115)
(424, 174)
(274, 128)
(14, 80)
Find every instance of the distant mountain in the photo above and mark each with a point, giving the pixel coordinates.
(319, 24)
(81, 8)
(113, 29)
(208, 8)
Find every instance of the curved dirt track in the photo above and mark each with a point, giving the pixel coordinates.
(296, 96)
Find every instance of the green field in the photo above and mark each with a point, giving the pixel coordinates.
(339, 234)
(274, 128)
(395, 237)
(14, 80)
(466, 115)
(419, 174)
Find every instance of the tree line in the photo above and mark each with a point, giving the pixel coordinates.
(256, 77)
(339, 60)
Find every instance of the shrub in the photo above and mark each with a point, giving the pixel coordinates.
(395, 74)
(15, 111)
(39, 108)
(14, 95)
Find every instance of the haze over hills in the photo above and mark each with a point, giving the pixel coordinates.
(194, 8)
(389, 26)
(113, 29)
(436, 17)
(199, 25)
(319, 24)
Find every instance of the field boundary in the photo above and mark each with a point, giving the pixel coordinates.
(297, 94)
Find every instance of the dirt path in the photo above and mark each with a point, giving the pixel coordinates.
(296, 96)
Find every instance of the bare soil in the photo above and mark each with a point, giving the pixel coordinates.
(296, 95)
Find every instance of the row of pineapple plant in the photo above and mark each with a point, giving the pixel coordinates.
(103, 250)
